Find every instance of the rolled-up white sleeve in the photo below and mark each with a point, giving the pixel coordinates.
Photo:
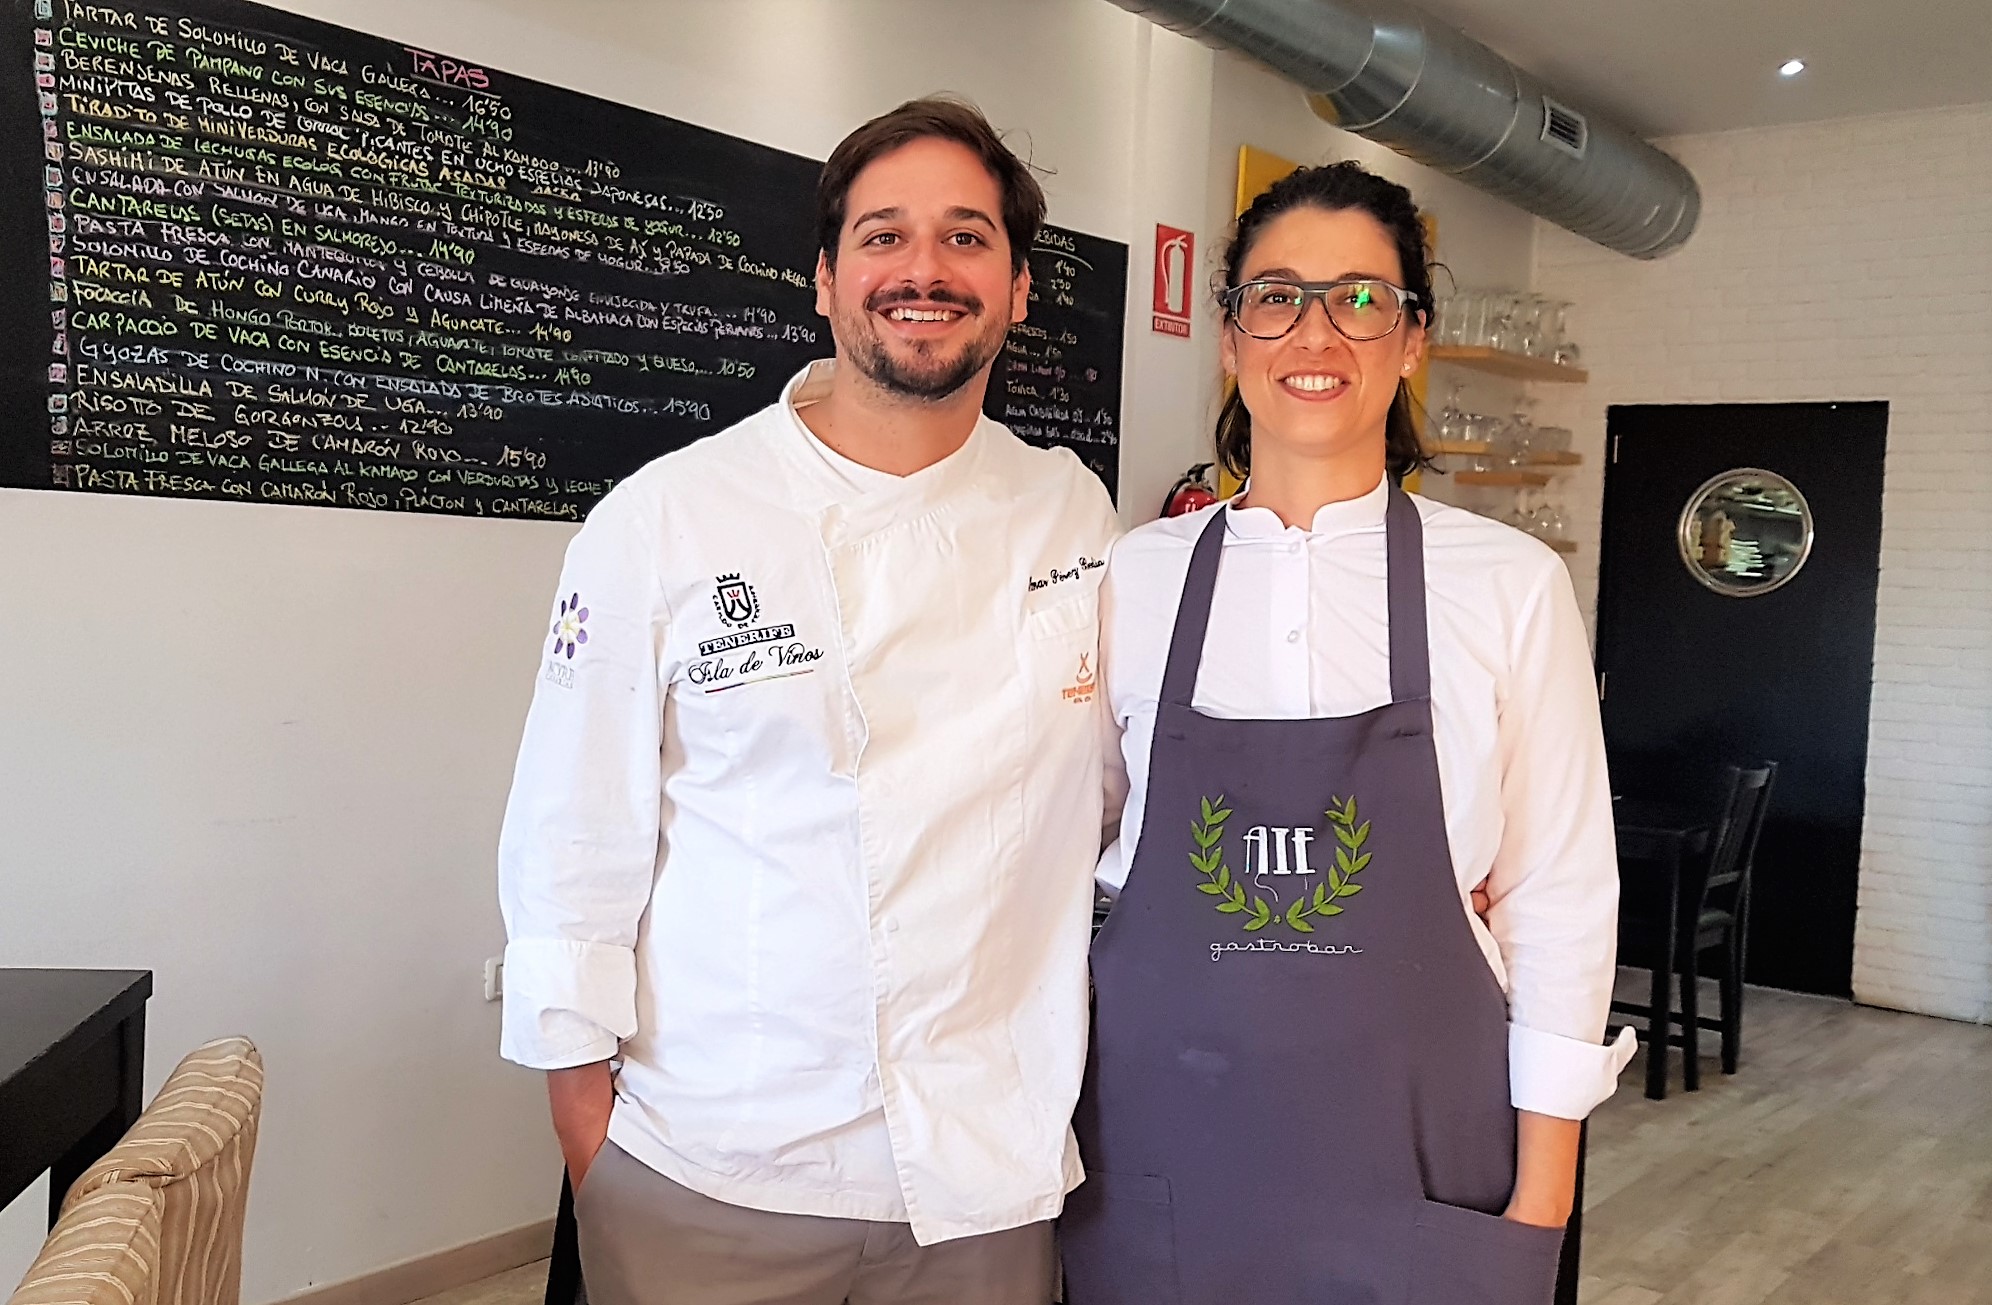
(578, 854)
(1554, 884)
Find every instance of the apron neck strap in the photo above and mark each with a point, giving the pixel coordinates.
(1179, 677)
(1410, 649)
(1410, 657)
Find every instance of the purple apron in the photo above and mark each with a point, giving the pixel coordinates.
(1297, 1091)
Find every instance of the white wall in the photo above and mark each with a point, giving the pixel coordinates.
(263, 751)
(1850, 260)
(1164, 427)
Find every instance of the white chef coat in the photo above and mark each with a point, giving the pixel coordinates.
(1298, 628)
(804, 822)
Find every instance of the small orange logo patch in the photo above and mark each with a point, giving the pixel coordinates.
(1083, 685)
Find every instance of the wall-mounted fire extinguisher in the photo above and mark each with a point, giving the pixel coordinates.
(1191, 491)
(1176, 276)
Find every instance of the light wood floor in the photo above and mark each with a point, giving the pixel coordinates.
(1850, 1163)
(523, 1286)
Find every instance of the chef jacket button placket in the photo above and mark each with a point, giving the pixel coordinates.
(831, 524)
(1298, 675)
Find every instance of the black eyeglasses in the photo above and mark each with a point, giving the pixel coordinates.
(1361, 309)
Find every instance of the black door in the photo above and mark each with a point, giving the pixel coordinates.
(1693, 678)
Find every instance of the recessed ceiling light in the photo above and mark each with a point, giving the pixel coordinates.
(1791, 68)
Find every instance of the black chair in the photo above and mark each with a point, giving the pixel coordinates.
(1713, 912)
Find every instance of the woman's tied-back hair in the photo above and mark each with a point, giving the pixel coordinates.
(1335, 187)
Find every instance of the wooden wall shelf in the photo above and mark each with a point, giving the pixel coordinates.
(1562, 545)
(1480, 448)
(1515, 366)
(1503, 479)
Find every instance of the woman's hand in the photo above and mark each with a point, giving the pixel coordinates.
(582, 1099)
(1545, 1170)
(1539, 1214)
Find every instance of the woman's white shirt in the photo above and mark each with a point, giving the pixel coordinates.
(1298, 628)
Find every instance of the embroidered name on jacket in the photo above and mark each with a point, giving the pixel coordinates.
(1061, 575)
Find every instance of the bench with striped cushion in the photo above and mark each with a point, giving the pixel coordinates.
(104, 1250)
(193, 1147)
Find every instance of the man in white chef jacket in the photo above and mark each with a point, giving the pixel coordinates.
(798, 860)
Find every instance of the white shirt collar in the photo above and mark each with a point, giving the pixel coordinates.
(812, 385)
(1348, 517)
(848, 481)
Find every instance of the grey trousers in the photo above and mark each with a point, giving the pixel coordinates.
(646, 1240)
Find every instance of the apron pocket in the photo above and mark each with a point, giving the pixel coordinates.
(1464, 1257)
(1118, 1240)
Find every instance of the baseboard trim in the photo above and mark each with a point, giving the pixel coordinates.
(440, 1271)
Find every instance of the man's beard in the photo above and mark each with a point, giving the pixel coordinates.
(926, 376)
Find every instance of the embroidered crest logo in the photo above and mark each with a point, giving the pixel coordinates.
(1084, 683)
(1280, 851)
(735, 601)
(570, 626)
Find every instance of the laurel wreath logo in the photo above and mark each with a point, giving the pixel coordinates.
(1323, 902)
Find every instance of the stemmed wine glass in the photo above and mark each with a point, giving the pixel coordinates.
(1566, 351)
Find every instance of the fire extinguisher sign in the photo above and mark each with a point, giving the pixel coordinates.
(1175, 256)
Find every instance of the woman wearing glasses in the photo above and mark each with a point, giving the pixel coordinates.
(1317, 1076)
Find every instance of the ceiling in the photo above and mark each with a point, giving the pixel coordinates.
(1675, 67)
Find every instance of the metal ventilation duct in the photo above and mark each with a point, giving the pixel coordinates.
(1382, 69)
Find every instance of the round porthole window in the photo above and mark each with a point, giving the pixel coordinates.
(1746, 532)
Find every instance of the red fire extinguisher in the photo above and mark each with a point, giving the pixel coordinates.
(1191, 491)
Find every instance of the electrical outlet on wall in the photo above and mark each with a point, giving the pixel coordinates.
(494, 978)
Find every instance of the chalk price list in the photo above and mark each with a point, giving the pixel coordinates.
(1058, 382)
(280, 274)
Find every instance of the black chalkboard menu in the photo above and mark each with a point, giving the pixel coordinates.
(291, 263)
(1059, 381)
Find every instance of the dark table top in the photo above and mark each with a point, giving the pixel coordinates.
(1644, 825)
(42, 1009)
(1651, 816)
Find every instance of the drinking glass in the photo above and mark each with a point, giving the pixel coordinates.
(1518, 440)
(1468, 323)
(1566, 351)
(1553, 520)
(1530, 329)
(1480, 429)
(1515, 514)
(1449, 423)
(1502, 309)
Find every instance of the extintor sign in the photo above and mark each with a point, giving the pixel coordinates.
(1175, 256)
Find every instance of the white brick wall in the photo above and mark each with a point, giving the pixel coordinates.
(1839, 261)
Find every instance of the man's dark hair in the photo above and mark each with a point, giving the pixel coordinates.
(947, 119)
